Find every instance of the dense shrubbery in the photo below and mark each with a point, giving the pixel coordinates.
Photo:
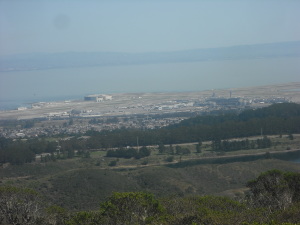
(275, 190)
(273, 198)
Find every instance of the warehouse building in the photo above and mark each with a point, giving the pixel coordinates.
(97, 98)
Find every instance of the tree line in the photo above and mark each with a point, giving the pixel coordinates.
(128, 153)
(235, 145)
(19, 151)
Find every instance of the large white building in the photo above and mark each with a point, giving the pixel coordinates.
(97, 98)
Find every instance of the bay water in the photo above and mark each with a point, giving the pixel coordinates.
(20, 88)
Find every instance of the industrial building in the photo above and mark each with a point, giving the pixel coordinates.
(97, 98)
(225, 101)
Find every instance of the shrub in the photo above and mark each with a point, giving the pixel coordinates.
(131, 208)
(112, 163)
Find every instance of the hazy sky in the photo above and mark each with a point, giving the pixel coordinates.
(143, 25)
(28, 26)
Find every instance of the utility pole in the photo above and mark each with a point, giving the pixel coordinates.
(137, 143)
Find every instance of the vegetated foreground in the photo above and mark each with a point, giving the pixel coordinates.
(177, 174)
(273, 198)
(81, 182)
(81, 185)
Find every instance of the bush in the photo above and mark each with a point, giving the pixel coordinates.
(131, 208)
(170, 159)
(145, 162)
(113, 163)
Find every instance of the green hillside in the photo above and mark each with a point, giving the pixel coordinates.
(181, 196)
(78, 185)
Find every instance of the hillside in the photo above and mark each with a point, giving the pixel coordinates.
(80, 185)
(265, 203)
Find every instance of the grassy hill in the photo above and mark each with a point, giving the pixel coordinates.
(80, 185)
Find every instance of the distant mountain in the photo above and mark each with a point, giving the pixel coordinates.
(37, 61)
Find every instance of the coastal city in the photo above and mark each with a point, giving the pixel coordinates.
(135, 110)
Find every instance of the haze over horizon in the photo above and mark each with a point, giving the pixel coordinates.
(144, 26)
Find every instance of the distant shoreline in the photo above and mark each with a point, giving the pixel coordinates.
(14, 104)
(42, 61)
(283, 89)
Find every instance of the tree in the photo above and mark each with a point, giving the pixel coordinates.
(291, 137)
(161, 148)
(71, 153)
(182, 151)
(216, 144)
(87, 154)
(56, 215)
(274, 189)
(178, 150)
(169, 159)
(171, 149)
(19, 206)
(86, 218)
(17, 154)
(198, 147)
(51, 147)
(131, 208)
(71, 122)
(144, 152)
(113, 163)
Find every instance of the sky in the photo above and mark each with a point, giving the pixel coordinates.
(143, 25)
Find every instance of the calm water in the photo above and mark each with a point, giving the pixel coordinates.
(19, 88)
(296, 161)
